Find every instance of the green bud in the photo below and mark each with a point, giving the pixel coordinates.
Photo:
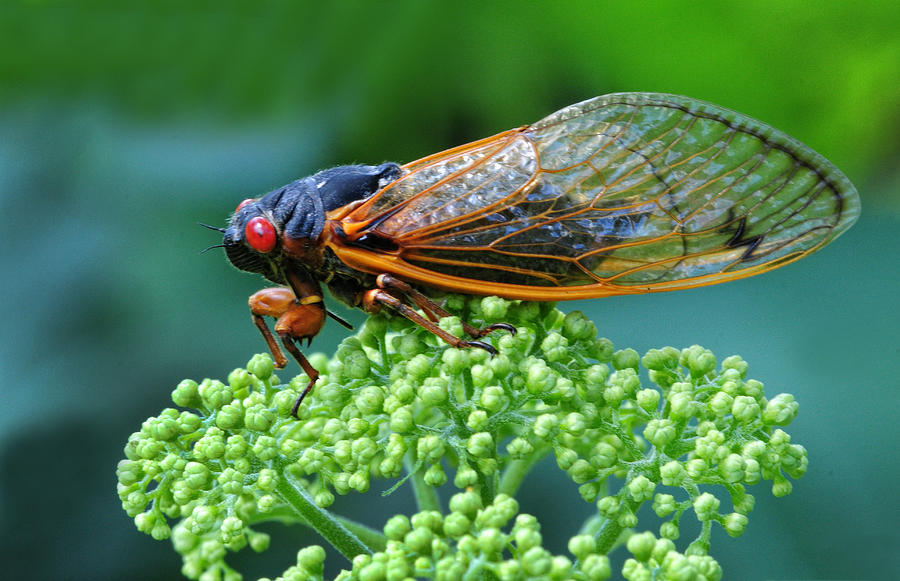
(419, 540)
(356, 365)
(672, 473)
(455, 360)
(196, 475)
(641, 488)
(745, 409)
(375, 571)
(596, 567)
(660, 432)
(577, 327)
(589, 491)
(565, 457)
(240, 381)
(536, 562)
(669, 530)
(494, 308)
(736, 363)
(698, 360)
(261, 366)
(526, 538)
(214, 394)
(231, 480)
(582, 545)
(186, 394)
(696, 468)
(575, 424)
(781, 410)
(608, 506)
(402, 420)
(432, 393)
(481, 375)
(477, 420)
(230, 416)
(435, 475)
(519, 447)
(429, 448)
(259, 418)
(493, 398)
(681, 406)
(720, 404)
(753, 388)
(735, 524)
(465, 503)
(732, 468)
(602, 349)
(411, 346)
(465, 477)
(324, 498)
(626, 359)
(544, 425)
(706, 506)
(661, 359)
(539, 377)
(581, 471)
(663, 505)
(456, 525)
(648, 399)
(452, 325)
(397, 527)
(480, 445)
(491, 541)
(781, 486)
(487, 466)
(369, 400)
(265, 448)
(603, 455)
(626, 519)
(555, 347)
(641, 545)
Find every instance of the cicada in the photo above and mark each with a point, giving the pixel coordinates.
(621, 194)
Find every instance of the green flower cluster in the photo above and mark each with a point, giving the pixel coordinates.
(468, 543)
(396, 403)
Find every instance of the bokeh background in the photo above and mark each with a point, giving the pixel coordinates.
(124, 124)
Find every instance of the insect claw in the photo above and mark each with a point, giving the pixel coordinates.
(482, 345)
(499, 327)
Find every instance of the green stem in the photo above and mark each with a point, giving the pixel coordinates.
(325, 523)
(611, 531)
(285, 514)
(426, 496)
(487, 487)
(517, 470)
(607, 535)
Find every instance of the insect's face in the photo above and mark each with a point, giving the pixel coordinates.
(252, 241)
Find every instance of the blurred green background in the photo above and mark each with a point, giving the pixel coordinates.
(124, 124)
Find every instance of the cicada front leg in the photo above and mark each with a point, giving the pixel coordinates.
(387, 293)
(297, 319)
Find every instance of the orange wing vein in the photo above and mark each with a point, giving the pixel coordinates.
(620, 194)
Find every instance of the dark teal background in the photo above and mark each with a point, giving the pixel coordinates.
(124, 124)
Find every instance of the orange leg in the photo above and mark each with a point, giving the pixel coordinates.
(434, 311)
(297, 320)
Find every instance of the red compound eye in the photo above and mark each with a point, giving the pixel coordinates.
(244, 203)
(260, 234)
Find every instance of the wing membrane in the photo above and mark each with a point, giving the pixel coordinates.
(625, 193)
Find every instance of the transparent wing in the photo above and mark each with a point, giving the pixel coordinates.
(624, 193)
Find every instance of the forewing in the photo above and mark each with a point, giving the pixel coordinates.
(624, 193)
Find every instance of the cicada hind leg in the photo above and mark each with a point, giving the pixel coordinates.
(375, 298)
(297, 319)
